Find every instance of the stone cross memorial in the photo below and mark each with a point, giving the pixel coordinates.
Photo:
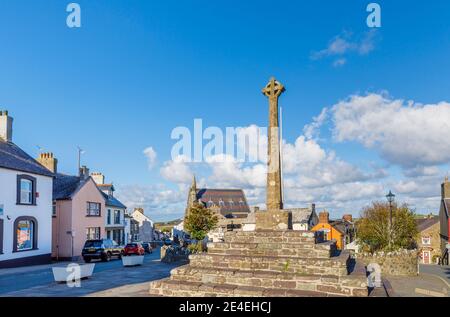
(272, 260)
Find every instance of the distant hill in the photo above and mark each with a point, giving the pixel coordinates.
(167, 226)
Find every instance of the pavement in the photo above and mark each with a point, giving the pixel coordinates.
(432, 281)
(109, 279)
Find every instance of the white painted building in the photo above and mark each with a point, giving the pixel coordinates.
(26, 190)
(146, 225)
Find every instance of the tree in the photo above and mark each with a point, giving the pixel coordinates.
(373, 229)
(199, 221)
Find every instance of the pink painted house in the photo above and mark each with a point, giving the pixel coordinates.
(78, 211)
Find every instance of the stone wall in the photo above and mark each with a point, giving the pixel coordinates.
(402, 262)
(171, 254)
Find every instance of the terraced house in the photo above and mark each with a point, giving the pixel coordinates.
(115, 220)
(78, 215)
(25, 203)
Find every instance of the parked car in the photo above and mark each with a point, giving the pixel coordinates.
(134, 249)
(103, 249)
(147, 247)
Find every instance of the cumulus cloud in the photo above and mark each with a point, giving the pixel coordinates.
(151, 155)
(158, 201)
(405, 133)
(177, 170)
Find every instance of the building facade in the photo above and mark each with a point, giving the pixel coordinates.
(428, 240)
(25, 204)
(444, 220)
(115, 221)
(145, 225)
(79, 214)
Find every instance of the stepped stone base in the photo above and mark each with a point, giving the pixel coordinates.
(266, 263)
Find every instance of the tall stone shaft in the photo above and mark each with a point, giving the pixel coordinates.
(274, 200)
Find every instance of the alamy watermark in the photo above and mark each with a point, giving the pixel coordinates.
(239, 144)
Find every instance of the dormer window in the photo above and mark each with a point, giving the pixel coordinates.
(231, 203)
(26, 190)
(210, 203)
(221, 203)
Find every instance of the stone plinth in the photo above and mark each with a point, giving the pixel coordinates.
(266, 263)
(273, 220)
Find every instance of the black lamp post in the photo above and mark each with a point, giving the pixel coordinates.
(390, 198)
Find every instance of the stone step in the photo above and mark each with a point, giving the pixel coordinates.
(328, 266)
(169, 287)
(351, 285)
(322, 250)
(262, 236)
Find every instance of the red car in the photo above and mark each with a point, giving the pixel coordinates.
(134, 249)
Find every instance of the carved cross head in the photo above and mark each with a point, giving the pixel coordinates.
(273, 89)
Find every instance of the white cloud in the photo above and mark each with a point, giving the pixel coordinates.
(346, 43)
(177, 170)
(151, 155)
(404, 133)
(158, 201)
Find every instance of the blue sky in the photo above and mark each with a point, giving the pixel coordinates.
(137, 69)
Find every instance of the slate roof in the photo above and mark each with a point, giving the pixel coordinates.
(14, 158)
(425, 223)
(228, 200)
(64, 186)
(113, 202)
(300, 215)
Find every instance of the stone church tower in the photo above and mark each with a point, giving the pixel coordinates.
(192, 197)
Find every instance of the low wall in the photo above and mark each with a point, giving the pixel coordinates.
(402, 262)
(171, 254)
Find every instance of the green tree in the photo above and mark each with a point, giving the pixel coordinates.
(199, 221)
(374, 232)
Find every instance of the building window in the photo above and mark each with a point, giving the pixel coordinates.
(426, 240)
(231, 203)
(93, 209)
(221, 203)
(116, 217)
(54, 209)
(25, 235)
(26, 190)
(93, 233)
(109, 217)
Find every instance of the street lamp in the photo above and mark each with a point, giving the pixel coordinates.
(390, 198)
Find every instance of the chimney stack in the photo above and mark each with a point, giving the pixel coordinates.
(98, 178)
(348, 218)
(445, 188)
(48, 161)
(324, 217)
(6, 126)
(84, 172)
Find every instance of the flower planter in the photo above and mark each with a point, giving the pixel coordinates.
(133, 260)
(62, 274)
